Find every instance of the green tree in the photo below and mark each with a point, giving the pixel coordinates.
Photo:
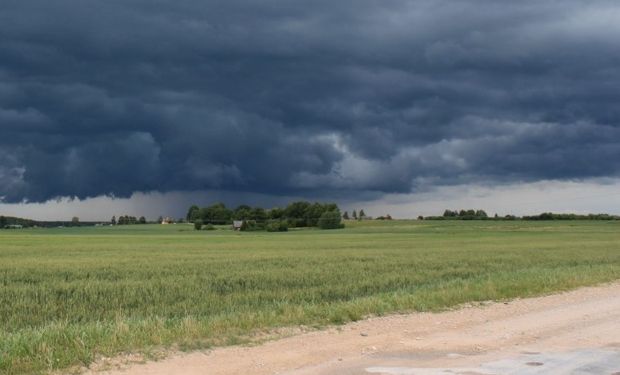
(449, 213)
(258, 214)
(277, 226)
(313, 213)
(276, 213)
(142, 220)
(242, 212)
(345, 216)
(192, 213)
(216, 214)
(362, 215)
(113, 221)
(295, 212)
(330, 220)
(354, 215)
(198, 224)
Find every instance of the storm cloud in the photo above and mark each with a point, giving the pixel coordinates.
(295, 97)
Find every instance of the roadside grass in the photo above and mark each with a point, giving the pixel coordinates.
(69, 295)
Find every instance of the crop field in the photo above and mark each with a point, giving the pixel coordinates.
(69, 295)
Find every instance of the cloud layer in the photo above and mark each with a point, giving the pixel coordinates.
(295, 97)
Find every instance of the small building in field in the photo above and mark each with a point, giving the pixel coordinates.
(237, 224)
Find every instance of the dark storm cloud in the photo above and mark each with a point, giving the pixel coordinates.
(294, 97)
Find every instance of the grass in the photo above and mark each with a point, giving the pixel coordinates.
(68, 295)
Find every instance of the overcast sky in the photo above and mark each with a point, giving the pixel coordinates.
(403, 106)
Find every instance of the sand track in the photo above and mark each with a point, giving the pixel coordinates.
(584, 323)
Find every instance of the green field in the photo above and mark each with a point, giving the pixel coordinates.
(68, 295)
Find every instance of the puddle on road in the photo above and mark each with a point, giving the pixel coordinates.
(583, 362)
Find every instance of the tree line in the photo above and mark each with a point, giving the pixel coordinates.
(552, 216)
(295, 215)
(355, 215)
(471, 214)
(127, 220)
(7, 222)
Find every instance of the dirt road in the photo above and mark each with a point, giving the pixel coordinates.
(571, 333)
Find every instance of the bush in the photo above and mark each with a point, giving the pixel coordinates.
(297, 223)
(330, 220)
(277, 226)
(198, 224)
(209, 227)
(251, 226)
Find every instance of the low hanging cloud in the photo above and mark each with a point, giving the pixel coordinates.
(303, 98)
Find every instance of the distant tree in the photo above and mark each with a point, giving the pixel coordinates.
(122, 220)
(113, 221)
(354, 215)
(420, 217)
(362, 215)
(449, 213)
(330, 220)
(546, 216)
(295, 213)
(313, 212)
(248, 226)
(160, 219)
(3, 222)
(276, 213)
(258, 214)
(192, 213)
(142, 220)
(277, 226)
(216, 214)
(331, 207)
(198, 224)
(345, 216)
(242, 212)
(75, 221)
(242, 207)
